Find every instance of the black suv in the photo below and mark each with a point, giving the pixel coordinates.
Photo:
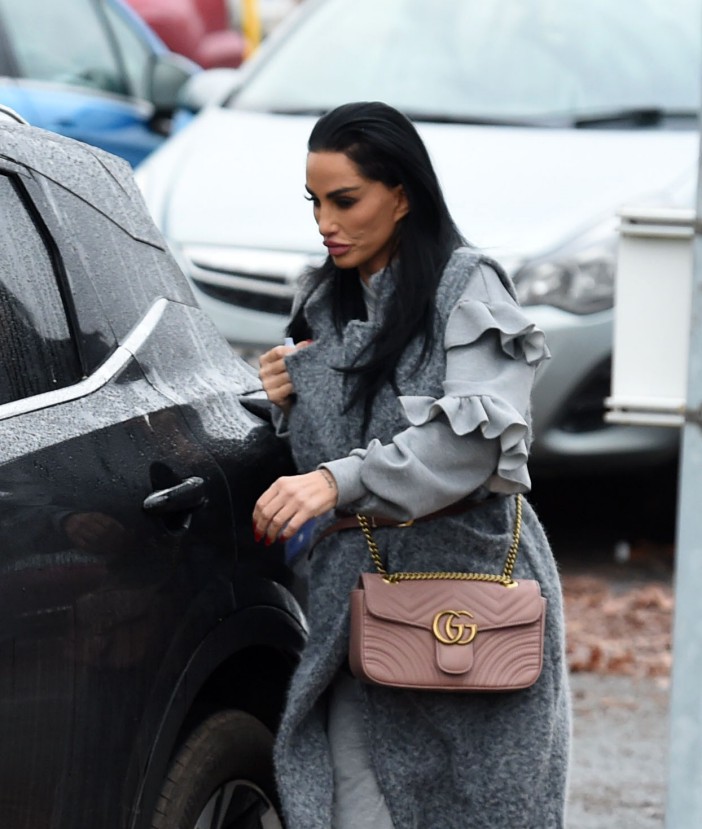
(146, 641)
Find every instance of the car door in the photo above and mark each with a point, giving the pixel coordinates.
(81, 68)
(93, 585)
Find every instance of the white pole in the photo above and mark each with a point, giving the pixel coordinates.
(684, 806)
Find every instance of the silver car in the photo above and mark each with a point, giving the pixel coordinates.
(543, 119)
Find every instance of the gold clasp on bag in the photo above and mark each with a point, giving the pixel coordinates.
(449, 631)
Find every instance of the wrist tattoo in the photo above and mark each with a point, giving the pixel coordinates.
(329, 478)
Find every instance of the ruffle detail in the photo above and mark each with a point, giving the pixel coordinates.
(519, 338)
(495, 419)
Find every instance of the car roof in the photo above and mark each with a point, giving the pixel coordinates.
(68, 163)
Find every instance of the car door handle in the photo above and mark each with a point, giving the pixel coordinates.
(184, 497)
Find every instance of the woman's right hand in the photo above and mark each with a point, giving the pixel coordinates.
(274, 375)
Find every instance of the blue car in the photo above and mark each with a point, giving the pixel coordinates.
(90, 70)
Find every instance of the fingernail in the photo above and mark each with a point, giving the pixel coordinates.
(257, 536)
(268, 541)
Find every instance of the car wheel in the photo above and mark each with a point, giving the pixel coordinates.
(221, 778)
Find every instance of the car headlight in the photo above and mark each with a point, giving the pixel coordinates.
(580, 281)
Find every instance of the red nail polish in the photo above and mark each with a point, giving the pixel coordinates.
(268, 541)
(257, 536)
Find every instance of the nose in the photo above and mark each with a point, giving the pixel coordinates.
(325, 221)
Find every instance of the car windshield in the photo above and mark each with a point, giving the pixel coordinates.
(488, 60)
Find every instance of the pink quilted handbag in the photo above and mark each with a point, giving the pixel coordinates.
(447, 631)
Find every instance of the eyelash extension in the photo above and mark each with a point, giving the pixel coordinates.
(342, 204)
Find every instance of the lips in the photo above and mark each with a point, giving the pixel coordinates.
(337, 249)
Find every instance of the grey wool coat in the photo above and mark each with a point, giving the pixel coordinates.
(442, 761)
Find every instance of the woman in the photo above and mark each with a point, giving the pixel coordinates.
(407, 396)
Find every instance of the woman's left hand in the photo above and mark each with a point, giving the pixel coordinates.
(290, 502)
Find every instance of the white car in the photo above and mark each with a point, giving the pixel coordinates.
(543, 120)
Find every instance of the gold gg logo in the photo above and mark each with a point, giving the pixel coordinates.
(450, 630)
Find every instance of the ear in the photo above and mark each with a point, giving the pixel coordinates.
(401, 203)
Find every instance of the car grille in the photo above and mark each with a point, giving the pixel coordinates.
(251, 299)
(256, 280)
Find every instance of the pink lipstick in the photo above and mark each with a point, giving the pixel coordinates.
(336, 249)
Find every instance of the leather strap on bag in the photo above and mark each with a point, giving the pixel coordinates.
(505, 578)
(351, 522)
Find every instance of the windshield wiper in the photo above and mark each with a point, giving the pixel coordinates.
(635, 116)
(316, 111)
(478, 120)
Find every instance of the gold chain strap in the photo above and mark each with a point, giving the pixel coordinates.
(505, 578)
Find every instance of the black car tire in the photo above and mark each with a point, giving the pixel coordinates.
(221, 778)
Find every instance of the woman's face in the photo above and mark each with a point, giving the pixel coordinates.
(357, 217)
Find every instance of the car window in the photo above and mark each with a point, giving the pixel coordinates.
(485, 58)
(63, 42)
(36, 351)
(134, 53)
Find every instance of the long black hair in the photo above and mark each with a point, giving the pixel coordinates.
(386, 147)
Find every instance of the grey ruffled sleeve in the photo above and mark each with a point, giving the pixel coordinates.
(492, 352)
(474, 436)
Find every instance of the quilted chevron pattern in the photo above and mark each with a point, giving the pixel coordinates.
(392, 642)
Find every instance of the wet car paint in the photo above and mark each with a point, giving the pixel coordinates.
(116, 625)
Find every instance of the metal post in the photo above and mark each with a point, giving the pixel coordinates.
(684, 806)
(251, 25)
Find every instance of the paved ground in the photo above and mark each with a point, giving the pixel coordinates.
(618, 776)
(613, 540)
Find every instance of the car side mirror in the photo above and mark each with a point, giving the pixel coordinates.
(211, 87)
(169, 73)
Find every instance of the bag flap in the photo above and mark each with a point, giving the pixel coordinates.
(489, 605)
(454, 660)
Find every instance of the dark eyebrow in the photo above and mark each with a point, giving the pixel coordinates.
(342, 191)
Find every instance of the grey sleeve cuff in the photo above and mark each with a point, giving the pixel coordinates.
(280, 422)
(347, 474)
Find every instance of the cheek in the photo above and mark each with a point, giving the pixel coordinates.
(369, 225)
(384, 227)
(355, 225)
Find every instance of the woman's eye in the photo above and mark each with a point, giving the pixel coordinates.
(345, 203)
